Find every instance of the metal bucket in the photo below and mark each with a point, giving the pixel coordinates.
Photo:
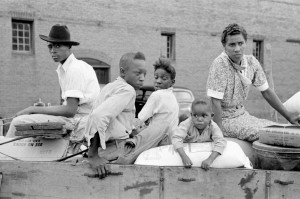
(277, 158)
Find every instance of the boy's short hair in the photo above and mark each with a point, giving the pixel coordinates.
(202, 101)
(233, 29)
(165, 63)
(127, 58)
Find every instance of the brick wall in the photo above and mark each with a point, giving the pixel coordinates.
(106, 29)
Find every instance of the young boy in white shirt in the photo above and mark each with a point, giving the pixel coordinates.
(162, 105)
(199, 127)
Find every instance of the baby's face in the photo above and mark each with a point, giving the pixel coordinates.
(201, 116)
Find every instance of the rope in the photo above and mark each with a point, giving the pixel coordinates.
(70, 156)
(27, 136)
(10, 156)
(12, 140)
(5, 123)
(17, 138)
(8, 118)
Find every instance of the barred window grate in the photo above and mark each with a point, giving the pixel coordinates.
(258, 50)
(168, 45)
(21, 36)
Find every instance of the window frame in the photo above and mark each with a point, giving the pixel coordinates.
(31, 36)
(98, 65)
(170, 37)
(257, 51)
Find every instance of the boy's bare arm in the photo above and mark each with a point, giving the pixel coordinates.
(185, 159)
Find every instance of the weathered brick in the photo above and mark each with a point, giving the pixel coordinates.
(106, 29)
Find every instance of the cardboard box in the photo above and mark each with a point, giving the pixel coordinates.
(33, 149)
(280, 135)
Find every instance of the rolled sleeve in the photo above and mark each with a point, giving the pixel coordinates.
(219, 142)
(74, 94)
(180, 133)
(215, 94)
(263, 87)
(217, 79)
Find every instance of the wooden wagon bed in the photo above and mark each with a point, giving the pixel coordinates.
(41, 180)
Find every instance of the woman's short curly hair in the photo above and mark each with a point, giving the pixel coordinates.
(165, 63)
(233, 29)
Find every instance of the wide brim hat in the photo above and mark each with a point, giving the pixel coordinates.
(59, 34)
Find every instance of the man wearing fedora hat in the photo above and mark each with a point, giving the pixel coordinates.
(78, 83)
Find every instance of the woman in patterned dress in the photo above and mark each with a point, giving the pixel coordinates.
(229, 80)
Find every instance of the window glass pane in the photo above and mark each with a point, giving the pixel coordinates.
(14, 33)
(15, 47)
(21, 40)
(14, 40)
(168, 49)
(20, 47)
(20, 26)
(20, 34)
(27, 48)
(14, 25)
(26, 26)
(26, 34)
(26, 41)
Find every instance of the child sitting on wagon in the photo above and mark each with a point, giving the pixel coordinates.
(162, 105)
(199, 127)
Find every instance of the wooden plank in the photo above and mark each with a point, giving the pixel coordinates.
(214, 183)
(285, 185)
(42, 125)
(36, 180)
(61, 180)
(53, 180)
(139, 182)
(41, 132)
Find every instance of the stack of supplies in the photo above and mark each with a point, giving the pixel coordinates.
(45, 129)
(278, 147)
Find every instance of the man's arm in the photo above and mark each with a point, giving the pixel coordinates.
(95, 160)
(68, 110)
(272, 98)
(217, 109)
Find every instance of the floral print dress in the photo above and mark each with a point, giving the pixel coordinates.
(231, 85)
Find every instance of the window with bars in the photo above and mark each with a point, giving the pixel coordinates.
(258, 50)
(22, 36)
(168, 45)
